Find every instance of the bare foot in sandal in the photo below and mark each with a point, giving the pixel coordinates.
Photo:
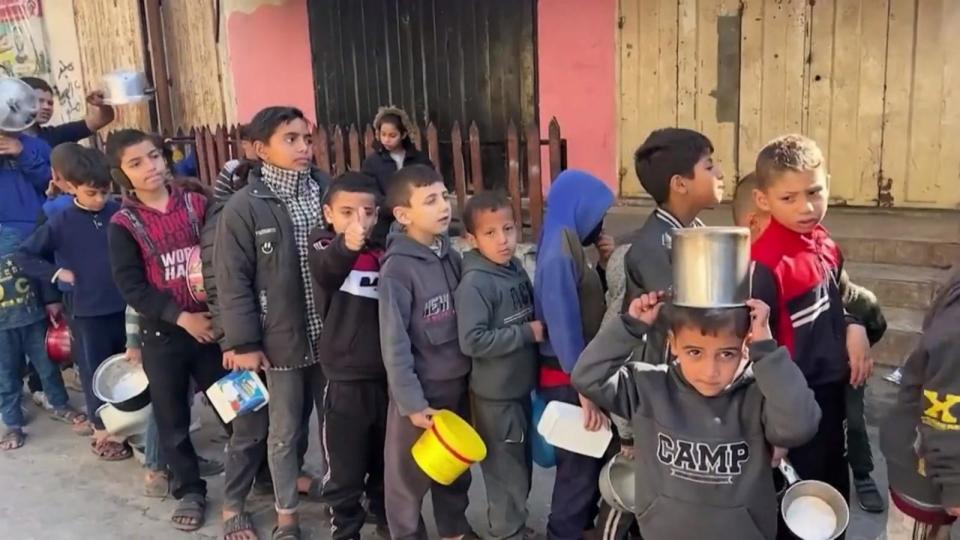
(108, 450)
(238, 526)
(12, 439)
(69, 415)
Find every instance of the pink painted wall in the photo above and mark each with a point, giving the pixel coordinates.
(576, 59)
(270, 58)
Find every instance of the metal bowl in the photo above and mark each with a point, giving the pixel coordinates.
(618, 484)
(122, 384)
(123, 87)
(823, 492)
(711, 267)
(18, 105)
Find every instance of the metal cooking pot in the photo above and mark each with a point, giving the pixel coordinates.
(58, 342)
(123, 87)
(817, 489)
(122, 384)
(18, 105)
(123, 423)
(618, 485)
(711, 267)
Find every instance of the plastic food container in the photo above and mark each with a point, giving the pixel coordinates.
(562, 426)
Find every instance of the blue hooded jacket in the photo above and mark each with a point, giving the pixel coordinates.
(577, 201)
(23, 181)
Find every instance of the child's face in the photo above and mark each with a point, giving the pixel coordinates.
(706, 188)
(797, 199)
(346, 208)
(753, 219)
(390, 136)
(144, 165)
(290, 147)
(92, 198)
(429, 211)
(45, 104)
(494, 234)
(708, 362)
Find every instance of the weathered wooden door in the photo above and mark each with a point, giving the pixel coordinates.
(873, 81)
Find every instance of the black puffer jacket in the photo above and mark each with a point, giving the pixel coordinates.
(381, 167)
(207, 237)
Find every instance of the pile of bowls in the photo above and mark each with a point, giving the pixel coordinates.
(124, 389)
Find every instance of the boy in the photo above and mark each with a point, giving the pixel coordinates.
(418, 334)
(498, 332)
(150, 240)
(863, 304)
(98, 116)
(77, 238)
(920, 437)
(568, 298)
(797, 273)
(345, 266)
(704, 423)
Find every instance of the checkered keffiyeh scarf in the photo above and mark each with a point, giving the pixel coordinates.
(301, 196)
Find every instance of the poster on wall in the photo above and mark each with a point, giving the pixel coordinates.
(23, 48)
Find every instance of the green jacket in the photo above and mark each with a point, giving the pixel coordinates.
(863, 304)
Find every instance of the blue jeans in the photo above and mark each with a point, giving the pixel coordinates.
(16, 345)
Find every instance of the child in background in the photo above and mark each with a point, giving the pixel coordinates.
(345, 265)
(77, 237)
(797, 273)
(704, 423)
(569, 299)
(863, 305)
(418, 334)
(233, 175)
(919, 437)
(499, 333)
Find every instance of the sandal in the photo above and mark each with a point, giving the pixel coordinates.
(287, 532)
(157, 487)
(108, 450)
(241, 522)
(83, 429)
(868, 495)
(68, 415)
(192, 509)
(12, 439)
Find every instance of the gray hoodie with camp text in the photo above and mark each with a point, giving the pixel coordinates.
(702, 463)
(496, 306)
(418, 320)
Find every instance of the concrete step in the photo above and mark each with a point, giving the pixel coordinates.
(903, 333)
(916, 253)
(898, 286)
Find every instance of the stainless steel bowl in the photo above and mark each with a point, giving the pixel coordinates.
(123, 87)
(618, 484)
(817, 489)
(122, 384)
(711, 267)
(18, 105)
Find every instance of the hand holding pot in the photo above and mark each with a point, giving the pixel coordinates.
(646, 307)
(759, 320)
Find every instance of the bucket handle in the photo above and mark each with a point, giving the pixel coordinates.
(788, 472)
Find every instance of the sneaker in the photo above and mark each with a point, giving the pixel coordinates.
(209, 467)
(868, 495)
(40, 399)
(894, 376)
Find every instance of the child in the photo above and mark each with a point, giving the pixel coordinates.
(393, 150)
(568, 298)
(498, 332)
(863, 305)
(797, 273)
(418, 334)
(24, 177)
(23, 328)
(919, 437)
(150, 239)
(77, 237)
(704, 424)
(345, 266)
(233, 175)
(676, 168)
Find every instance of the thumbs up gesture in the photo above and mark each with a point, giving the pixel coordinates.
(355, 235)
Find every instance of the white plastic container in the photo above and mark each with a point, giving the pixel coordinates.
(562, 426)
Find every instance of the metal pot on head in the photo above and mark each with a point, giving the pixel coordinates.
(18, 105)
(711, 267)
(618, 485)
(811, 509)
(124, 86)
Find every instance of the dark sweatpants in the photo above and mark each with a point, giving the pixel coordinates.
(576, 493)
(94, 340)
(405, 484)
(171, 357)
(824, 457)
(859, 453)
(354, 428)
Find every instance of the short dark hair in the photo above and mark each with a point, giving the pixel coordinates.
(787, 153)
(37, 84)
(403, 182)
(351, 182)
(665, 153)
(395, 119)
(709, 320)
(120, 140)
(743, 196)
(80, 166)
(485, 201)
(265, 123)
(243, 132)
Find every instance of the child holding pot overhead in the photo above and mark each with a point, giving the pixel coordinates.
(704, 424)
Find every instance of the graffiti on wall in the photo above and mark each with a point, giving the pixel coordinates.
(22, 45)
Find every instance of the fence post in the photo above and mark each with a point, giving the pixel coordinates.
(534, 186)
(433, 146)
(476, 164)
(235, 137)
(368, 138)
(339, 155)
(211, 144)
(513, 176)
(556, 161)
(223, 154)
(354, 139)
(459, 169)
(200, 150)
(414, 135)
(321, 148)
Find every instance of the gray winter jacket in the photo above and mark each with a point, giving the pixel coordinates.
(702, 463)
(260, 290)
(496, 305)
(418, 320)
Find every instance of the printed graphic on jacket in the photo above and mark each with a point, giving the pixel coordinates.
(15, 288)
(364, 278)
(940, 415)
(522, 297)
(700, 462)
(438, 308)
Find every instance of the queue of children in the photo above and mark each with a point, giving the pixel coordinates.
(346, 296)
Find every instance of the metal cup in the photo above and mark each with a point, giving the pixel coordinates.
(711, 267)
(813, 488)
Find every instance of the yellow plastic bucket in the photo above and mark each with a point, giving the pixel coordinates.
(448, 448)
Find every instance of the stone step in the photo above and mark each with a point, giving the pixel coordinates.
(898, 286)
(903, 333)
(930, 253)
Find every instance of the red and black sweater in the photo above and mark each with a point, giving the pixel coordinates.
(798, 276)
(150, 251)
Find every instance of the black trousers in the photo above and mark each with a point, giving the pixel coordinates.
(354, 428)
(171, 357)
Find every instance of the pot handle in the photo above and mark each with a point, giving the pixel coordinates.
(788, 472)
